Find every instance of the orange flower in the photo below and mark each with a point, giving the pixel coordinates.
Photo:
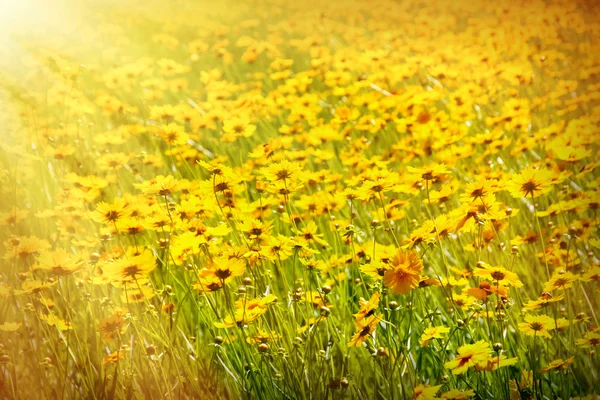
(404, 273)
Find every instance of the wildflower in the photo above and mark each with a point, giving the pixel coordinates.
(433, 332)
(375, 188)
(113, 161)
(557, 365)
(113, 357)
(247, 311)
(425, 392)
(479, 190)
(311, 322)
(590, 339)
(130, 268)
(367, 308)
(159, 186)
(173, 134)
(497, 362)
(543, 301)
(256, 229)
(225, 268)
(560, 324)
(441, 196)
(530, 183)
(485, 289)
(34, 287)
(285, 188)
(499, 275)
(13, 217)
(137, 293)
(60, 151)
(309, 234)
(539, 325)
(280, 247)
(264, 337)
(54, 320)
(238, 127)
(463, 301)
(364, 329)
(24, 246)
(470, 355)
(282, 171)
(560, 280)
(432, 173)
(112, 326)
(216, 168)
(220, 183)
(208, 283)
(59, 262)
(10, 326)
(132, 226)
(404, 272)
(592, 275)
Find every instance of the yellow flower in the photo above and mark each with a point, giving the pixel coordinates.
(365, 328)
(279, 247)
(238, 127)
(173, 134)
(54, 320)
(159, 186)
(496, 362)
(560, 280)
(557, 364)
(433, 332)
(367, 308)
(130, 268)
(10, 326)
(309, 234)
(113, 161)
(426, 392)
(404, 272)
(282, 171)
(470, 355)
(59, 262)
(216, 168)
(375, 188)
(247, 311)
(530, 183)
(543, 301)
(592, 275)
(479, 189)
(498, 275)
(432, 173)
(224, 268)
(256, 229)
(590, 339)
(112, 326)
(24, 246)
(537, 325)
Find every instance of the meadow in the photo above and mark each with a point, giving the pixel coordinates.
(293, 200)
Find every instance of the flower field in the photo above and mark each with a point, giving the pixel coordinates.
(288, 200)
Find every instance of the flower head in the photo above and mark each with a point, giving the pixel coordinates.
(403, 272)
